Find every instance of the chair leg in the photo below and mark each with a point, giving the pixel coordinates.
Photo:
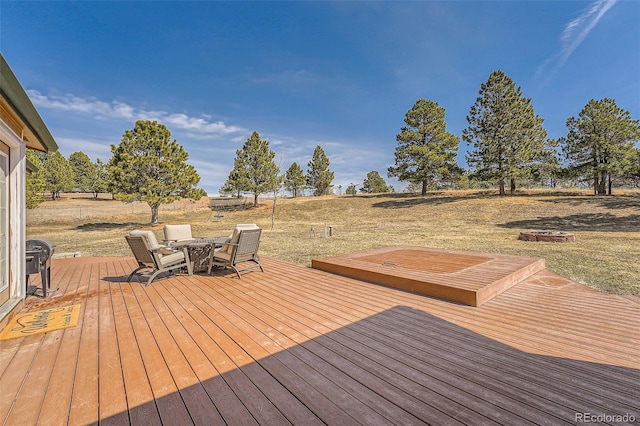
(157, 272)
(237, 271)
(133, 273)
(189, 264)
(210, 266)
(154, 275)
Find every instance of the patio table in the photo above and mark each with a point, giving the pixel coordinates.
(200, 250)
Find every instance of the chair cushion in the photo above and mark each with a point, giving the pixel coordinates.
(152, 241)
(170, 259)
(222, 255)
(177, 232)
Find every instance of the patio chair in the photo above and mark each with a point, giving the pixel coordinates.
(177, 233)
(236, 230)
(149, 254)
(242, 249)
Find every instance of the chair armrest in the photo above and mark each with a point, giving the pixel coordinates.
(217, 249)
(164, 250)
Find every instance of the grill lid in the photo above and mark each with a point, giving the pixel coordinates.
(45, 247)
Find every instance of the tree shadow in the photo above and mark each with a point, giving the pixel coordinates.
(106, 226)
(405, 201)
(91, 199)
(616, 202)
(601, 222)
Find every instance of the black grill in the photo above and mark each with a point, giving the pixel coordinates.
(38, 259)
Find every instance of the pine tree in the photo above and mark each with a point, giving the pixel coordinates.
(57, 174)
(101, 183)
(35, 183)
(148, 166)
(255, 170)
(351, 189)
(237, 179)
(374, 183)
(507, 135)
(599, 143)
(426, 152)
(84, 171)
(319, 177)
(294, 180)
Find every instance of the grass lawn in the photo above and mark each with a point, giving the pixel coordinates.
(606, 254)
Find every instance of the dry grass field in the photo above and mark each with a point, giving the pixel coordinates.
(606, 254)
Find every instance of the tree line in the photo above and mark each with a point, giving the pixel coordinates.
(146, 166)
(509, 146)
(255, 171)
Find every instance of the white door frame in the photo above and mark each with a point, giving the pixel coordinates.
(16, 218)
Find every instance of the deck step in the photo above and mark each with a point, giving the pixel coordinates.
(459, 276)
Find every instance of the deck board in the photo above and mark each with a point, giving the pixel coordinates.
(179, 375)
(85, 397)
(136, 383)
(322, 371)
(295, 345)
(57, 399)
(257, 347)
(206, 357)
(247, 402)
(336, 365)
(464, 277)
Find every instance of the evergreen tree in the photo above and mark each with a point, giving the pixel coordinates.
(507, 135)
(294, 179)
(101, 183)
(255, 169)
(426, 152)
(84, 171)
(599, 143)
(57, 174)
(237, 180)
(319, 177)
(374, 183)
(413, 187)
(351, 189)
(148, 166)
(632, 168)
(549, 169)
(35, 183)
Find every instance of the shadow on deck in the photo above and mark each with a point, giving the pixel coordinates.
(401, 366)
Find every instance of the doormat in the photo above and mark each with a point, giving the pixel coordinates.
(41, 322)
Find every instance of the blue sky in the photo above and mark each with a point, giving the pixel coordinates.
(337, 74)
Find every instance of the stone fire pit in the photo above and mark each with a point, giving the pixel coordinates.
(549, 236)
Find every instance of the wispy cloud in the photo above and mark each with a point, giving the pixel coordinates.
(574, 34)
(577, 30)
(202, 126)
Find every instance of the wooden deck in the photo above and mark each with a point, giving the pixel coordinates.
(294, 345)
(464, 277)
